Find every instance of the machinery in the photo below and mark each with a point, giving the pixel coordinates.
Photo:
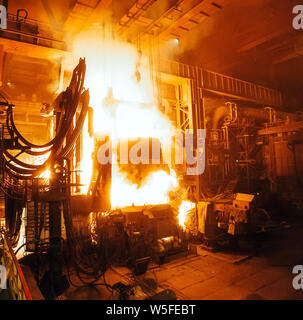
(226, 221)
(137, 235)
(45, 201)
(251, 154)
(60, 232)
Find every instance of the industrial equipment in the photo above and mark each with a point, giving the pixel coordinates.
(138, 235)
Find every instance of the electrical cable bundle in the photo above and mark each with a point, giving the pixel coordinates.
(71, 99)
(89, 268)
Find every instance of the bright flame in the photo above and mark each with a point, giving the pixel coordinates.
(45, 175)
(184, 209)
(154, 191)
(122, 96)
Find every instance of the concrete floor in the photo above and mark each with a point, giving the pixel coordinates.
(267, 274)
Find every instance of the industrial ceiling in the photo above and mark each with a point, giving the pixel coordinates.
(252, 40)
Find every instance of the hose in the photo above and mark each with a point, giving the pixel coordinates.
(71, 97)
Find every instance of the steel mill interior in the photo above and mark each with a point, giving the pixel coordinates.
(151, 150)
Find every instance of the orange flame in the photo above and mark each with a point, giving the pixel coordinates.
(124, 107)
(184, 209)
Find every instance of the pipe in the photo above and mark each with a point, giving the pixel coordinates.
(261, 115)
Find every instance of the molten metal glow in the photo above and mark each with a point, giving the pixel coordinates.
(45, 175)
(154, 191)
(184, 209)
(123, 98)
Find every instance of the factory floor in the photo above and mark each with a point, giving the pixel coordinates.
(264, 272)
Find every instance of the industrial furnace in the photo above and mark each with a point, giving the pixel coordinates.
(116, 154)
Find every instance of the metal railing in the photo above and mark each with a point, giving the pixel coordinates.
(222, 84)
(31, 31)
